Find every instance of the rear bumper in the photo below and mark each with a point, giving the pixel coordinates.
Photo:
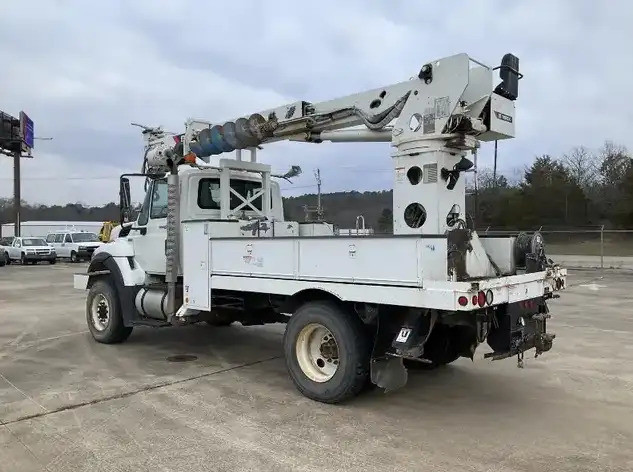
(513, 288)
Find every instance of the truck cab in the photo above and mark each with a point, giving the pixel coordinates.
(200, 200)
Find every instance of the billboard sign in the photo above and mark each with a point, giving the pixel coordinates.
(26, 130)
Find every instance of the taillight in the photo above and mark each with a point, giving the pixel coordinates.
(474, 299)
(463, 301)
(489, 297)
(528, 304)
(481, 299)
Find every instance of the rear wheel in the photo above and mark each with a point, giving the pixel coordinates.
(327, 352)
(103, 314)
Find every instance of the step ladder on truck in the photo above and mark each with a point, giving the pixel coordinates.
(211, 244)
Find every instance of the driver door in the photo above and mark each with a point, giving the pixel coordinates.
(149, 248)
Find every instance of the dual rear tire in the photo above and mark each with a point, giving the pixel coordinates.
(327, 352)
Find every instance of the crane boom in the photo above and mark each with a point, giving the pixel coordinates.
(448, 97)
(433, 120)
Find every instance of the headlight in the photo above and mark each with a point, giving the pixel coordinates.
(30, 251)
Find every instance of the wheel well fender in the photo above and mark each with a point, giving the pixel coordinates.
(103, 262)
(309, 295)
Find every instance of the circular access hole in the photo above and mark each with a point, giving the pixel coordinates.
(414, 215)
(375, 103)
(414, 174)
(182, 358)
(320, 362)
(415, 123)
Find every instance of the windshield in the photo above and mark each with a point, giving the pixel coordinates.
(33, 242)
(85, 238)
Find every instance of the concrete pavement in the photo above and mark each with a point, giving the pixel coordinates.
(68, 403)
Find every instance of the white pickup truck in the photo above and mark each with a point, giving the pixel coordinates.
(74, 245)
(29, 250)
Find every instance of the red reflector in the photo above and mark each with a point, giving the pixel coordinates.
(481, 298)
(474, 299)
(463, 301)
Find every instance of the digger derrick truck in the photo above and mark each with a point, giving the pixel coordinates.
(211, 243)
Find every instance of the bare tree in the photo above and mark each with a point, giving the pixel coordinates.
(582, 166)
(615, 162)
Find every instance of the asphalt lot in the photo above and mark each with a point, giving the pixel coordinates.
(68, 403)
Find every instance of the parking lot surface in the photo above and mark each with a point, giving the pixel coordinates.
(70, 404)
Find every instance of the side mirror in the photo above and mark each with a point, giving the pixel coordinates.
(125, 201)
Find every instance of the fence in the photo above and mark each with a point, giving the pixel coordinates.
(583, 247)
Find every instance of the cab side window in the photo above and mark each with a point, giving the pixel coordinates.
(68, 239)
(159, 200)
(59, 238)
(50, 238)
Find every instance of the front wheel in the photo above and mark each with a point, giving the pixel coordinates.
(103, 314)
(23, 260)
(52, 261)
(7, 259)
(73, 257)
(327, 352)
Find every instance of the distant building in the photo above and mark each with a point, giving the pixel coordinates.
(42, 228)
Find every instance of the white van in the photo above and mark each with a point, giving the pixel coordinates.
(75, 245)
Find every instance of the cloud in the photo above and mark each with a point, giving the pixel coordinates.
(85, 70)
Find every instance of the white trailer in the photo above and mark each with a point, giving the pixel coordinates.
(211, 243)
(42, 228)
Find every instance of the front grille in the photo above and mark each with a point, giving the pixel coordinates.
(43, 252)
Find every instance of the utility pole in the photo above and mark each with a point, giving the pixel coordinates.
(16, 193)
(319, 210)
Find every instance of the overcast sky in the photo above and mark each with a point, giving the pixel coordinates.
(83, 70)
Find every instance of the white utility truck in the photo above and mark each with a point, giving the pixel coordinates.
(211, 243)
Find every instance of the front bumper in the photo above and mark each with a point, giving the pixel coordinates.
(80, 281)
(40, 257)
(86, 253)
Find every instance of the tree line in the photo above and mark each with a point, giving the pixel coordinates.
(579, 188)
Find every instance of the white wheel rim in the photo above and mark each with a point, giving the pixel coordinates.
(100, 311)
(317, 352)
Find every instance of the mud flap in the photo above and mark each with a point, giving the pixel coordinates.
(389, 373)
(399, 334)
